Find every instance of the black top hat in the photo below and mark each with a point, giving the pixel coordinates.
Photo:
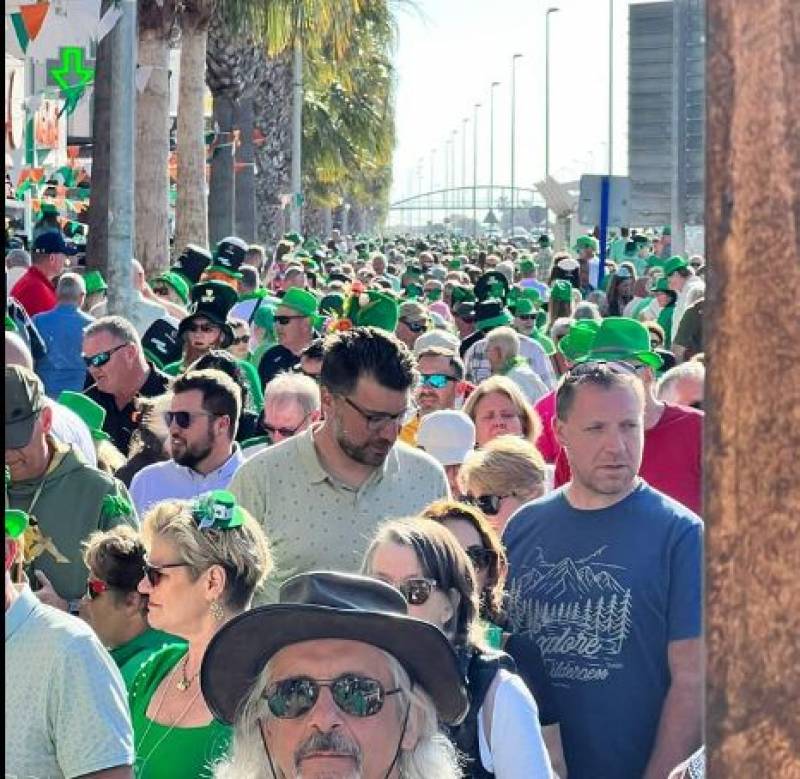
(211, 300)
(325, 605)
(492, 285)
(229, 256)
(192, 262)
(162, 343)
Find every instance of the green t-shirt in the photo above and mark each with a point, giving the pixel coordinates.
(255, 395)
(132, 656)
(171, 753)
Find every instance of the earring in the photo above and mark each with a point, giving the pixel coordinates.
(216, 611)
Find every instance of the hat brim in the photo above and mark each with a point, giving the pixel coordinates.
(227, 330)
(222, 269)
(239, 651)
(100, 435)
(651, 359)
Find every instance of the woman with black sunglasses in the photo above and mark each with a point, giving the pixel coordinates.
(205, 559)
(501, 735)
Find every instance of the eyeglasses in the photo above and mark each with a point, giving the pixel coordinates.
(488, 504)
(242, 339)
(436, 380)
(377, 422)
(154, 572)
(101, 358)
(526, 317)
(286, 432)
(285, 319)
(162, 291)
(417, 591)
(95, 587)
(358, 696)
(202, 327)
(184, 419)
(415, 327)
(481, 557)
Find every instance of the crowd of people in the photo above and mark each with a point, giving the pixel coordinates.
(359, 508)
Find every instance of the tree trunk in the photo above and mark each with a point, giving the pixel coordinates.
(752, 490)
(315, 221)
(245, 172)
(97, 240)
(221, 189)
(152, 155)
(191, 211)
(358, 219)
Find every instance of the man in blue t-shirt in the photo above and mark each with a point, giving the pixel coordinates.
(606, 577)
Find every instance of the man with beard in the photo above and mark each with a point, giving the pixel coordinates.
(322, 493)
(202, 422)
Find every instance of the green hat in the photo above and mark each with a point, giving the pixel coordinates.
(561, 290)
(674, 264)
(621, 338)
(229, 256)
(92, 413)
(332, 303)
(527, 265)
(301, 300)
(294, 237)
(544, 240)
(264, 317)
(666, 230)
(640, 238)
(530, 293)
(523, 306)
(94, 282)
(578, 340)
(176, 282)
(492, 285)
(413, 291)
(11, 325)
(374, 308)
(461, 294)
(586, 242)
(217, 510)
(454, 264)
(490, 314)
(661, 284)
(16, 523)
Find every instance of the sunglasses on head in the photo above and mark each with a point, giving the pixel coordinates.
(436, 380)
(481, 557)
(202, 327)
(184, 419)
(95, 587)
(414, 327)
(284, 319)
(154, 572)
(101, 358)
(488, 504)
(358, 696)
(417, 591)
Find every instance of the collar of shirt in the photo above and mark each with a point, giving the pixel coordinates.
(226, 470)
(21, 609)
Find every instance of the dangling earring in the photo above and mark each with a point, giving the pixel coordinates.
(216, 610)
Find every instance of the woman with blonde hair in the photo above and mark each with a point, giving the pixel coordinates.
(498, 479)
(205, 559)
(498, 407)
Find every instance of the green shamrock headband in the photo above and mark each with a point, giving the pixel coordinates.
(217, 510)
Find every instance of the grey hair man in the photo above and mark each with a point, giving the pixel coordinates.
(683, 385)
(502, 351)
(17, 262)
(347, 685)
(291, 404)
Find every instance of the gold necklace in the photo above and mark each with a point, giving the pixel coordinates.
(184, 683)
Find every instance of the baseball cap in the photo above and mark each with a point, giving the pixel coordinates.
(438, 339)
(24, 400)
(53, 243)
(448, 436)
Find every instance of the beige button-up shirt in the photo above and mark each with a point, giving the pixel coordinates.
(315, 522)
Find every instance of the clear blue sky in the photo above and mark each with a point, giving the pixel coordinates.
(449, 52)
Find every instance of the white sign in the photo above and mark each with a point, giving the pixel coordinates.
(619, 193)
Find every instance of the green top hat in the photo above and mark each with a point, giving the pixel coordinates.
(492, 285)
(544, 240)
(491, 313)
(332, 303)
(413, 291)
(674, 264)
(229, 256)
(461, 294)
(176, 282)
(640, 239)
(301, 300)
(561, 290)
(212, 300)
(530, 293)
(527, 265)
(661, 284)
(16, 523)
(523, 306)
(192, 262)
(94, 282)
(93, 414)
(578, 340)
(454, 264)
(585, 242)
(621, 338)
(373, 308)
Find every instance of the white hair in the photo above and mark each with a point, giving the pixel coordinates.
(71, 288)
(506, 340)
(432, 756)
(18, 258)
(293, 388)
(670, 382)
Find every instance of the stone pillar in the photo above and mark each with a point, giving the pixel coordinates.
(752, 490)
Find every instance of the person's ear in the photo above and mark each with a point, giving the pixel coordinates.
(134, 603)
(559, 428)
(215, 578)
(46, 419)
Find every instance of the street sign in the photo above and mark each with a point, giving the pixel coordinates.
(589, 203)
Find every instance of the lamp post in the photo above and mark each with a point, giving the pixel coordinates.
(491, 146)
(446, 188)
(464, 123)
(453, 198)
(547, 106)
(475, 171)
(419, 185)
(513, 139)
(430, 195)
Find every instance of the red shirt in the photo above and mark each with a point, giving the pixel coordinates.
(35, 292)
(672, 458)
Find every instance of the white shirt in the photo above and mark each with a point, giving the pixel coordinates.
(531, 385)
(517, 749)
(169, 481)
(692, 291)
(69, 428)
(479, 368)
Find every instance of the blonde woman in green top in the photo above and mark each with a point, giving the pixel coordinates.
(205, 559)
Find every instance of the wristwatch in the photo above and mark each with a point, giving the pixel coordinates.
(74, 607)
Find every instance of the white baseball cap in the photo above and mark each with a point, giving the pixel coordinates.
(438, 338)
(448, 436)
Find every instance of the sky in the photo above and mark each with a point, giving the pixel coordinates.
(450, 51)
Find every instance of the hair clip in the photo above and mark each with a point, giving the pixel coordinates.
(217, 510)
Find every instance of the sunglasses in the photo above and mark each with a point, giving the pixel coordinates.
(284, 320)
(488, 504)
(481, 557)
(160, 291)
(358, 696)
(436, 380)
(202, 327)
(184, 419)
(95, 587)
(526, 317)
(242, 339)
(414, 327)
(417, 591)
(154, 572)
(286, 432)
(101, 358)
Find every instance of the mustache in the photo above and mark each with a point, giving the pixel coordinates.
(332, 741)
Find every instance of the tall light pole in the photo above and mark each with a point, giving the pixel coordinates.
(610, 87)
(430, 194)
(453, 198)
(513, 127)
(547, 106)
(446, 188)
(491, 146)
(464, 123)
(475, 171)
(419, 187)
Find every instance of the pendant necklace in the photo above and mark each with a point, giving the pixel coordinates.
(185, 682)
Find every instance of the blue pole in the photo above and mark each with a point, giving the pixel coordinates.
(605, 186)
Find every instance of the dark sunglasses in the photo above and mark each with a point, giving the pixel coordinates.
(417, 591)
(101, 358)
(202, 327)
(154, 572)
(358, 696)
(95, 587)
(436, 380)
(415, 327)
(160, 291)
(184, 419)
(481, 557)
(286, 432)
(284, 319)
(242, 339)
(526, 317)
(488, 504)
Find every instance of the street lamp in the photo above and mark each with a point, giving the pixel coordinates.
(475, 171)
(430, 194)
(547, 106)
(513, 127)
(610, 87)
(453, 198)
(491, 147)
(464, 122)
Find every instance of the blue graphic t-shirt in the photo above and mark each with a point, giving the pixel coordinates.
(602, 593)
